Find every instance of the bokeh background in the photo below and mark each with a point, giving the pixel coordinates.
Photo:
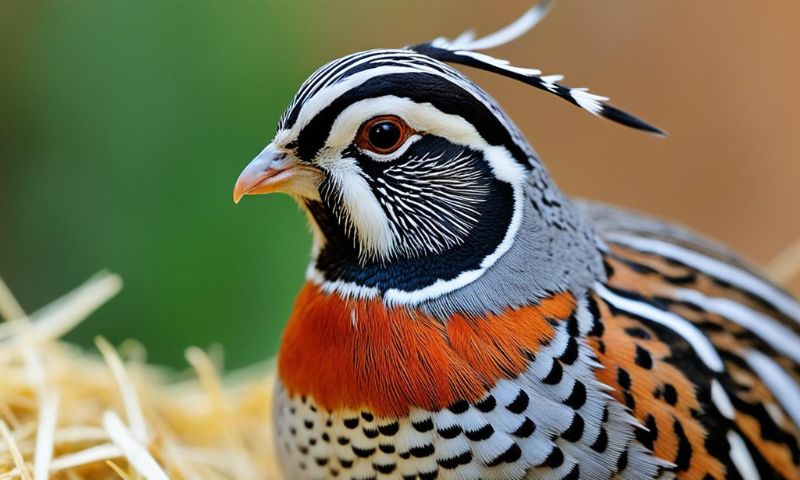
(123, 126)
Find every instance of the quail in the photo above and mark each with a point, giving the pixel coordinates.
(463, 319)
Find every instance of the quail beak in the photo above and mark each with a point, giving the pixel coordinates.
(275, 170)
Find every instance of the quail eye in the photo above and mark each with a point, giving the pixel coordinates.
(383, 134)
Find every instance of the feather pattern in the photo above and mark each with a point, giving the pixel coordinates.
(739, 365)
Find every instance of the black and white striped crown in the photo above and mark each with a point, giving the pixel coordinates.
(463, 50)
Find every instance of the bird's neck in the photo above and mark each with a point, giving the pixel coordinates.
(555, 249)
(551, 248)
(338, 259)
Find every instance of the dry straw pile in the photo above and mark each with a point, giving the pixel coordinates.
(69, 414)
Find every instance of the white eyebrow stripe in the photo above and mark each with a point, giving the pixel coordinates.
(329, 74)
(699, 342)
(320, 77)
(313, 98)
(369, 56)
(313, 105)
(715, 268)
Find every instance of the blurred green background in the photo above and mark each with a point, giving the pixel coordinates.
(123, 126)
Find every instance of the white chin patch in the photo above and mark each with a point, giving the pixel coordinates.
(364, 218)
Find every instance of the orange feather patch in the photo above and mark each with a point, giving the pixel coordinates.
(620, 353)
(361, 354)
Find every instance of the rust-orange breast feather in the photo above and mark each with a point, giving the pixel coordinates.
(359, 354)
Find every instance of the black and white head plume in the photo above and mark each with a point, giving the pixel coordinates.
(415, 180)
(464, 50)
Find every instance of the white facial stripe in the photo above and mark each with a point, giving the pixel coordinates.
(422, 117)
(282, 137)
(396, 154)
(323, 77)
(327, 95)
(401, 297)
(345, 289)
(359, 209)
(441, 287)
(397, 61)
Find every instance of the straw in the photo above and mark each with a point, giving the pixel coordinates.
(785, 267)
(72, 414)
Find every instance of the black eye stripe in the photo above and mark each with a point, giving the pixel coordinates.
(421, 88)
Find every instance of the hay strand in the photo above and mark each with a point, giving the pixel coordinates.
(129, 398)
(134, 451)
(785, 267)
(70, 414)
(19, 461)
(45, 436)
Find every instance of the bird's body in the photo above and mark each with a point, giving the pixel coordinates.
(463, 319)
(369, 391)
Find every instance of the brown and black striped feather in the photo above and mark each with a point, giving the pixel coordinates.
(658, 375)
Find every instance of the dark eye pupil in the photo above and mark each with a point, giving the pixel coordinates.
(384, 135)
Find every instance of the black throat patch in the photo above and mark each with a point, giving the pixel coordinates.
(446, 209)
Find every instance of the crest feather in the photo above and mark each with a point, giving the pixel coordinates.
(463, 50)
